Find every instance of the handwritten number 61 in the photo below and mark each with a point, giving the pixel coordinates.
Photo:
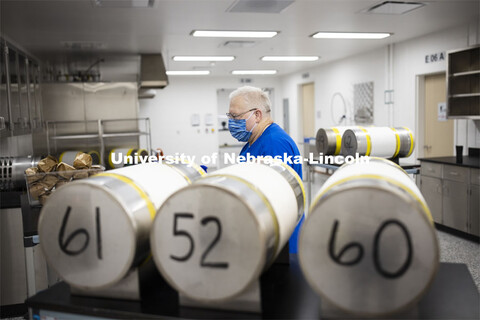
(65, 243)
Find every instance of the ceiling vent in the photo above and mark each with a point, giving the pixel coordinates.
(123, 3)
(393, 7)
(83, 45)
(259, 6)
(239, 44)
(152, 72)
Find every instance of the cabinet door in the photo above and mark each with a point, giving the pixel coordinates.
(455, 199)
(431, 189)
(474, 210)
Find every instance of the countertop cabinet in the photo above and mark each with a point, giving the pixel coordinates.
(455, 202)
(474, 202)
(452, 192)
(431, 189)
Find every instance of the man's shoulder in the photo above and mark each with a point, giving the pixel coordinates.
(277, 140)
(277, 133)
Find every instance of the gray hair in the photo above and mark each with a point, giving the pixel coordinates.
(253, 97)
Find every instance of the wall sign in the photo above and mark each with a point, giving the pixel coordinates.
(442, 111)
(435, 57)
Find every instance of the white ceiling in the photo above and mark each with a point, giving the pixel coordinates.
(41, 27)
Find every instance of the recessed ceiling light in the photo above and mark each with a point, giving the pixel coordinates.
(203, 58)
(290, 58)
(394, 7)
(254, 71)
(351, 35)
(234, 34)
(188, 73)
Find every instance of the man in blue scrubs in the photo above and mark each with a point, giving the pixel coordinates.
(250, 121)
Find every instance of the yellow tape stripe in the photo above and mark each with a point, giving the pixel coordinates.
(412, 142)
(376, 177)
(297, 177)
(276, 227)
(186, 162)
(397, 138)
(197, 167)
(338, 139)
(180, 172)
(60, 159)
(369, 141)
(130, 182)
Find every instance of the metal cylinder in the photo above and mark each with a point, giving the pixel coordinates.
(378, 142)
(69, 156)
(93, 231)
(329, 140)
(12, 170)
(368, 245)
(227, 228)
(95, 156)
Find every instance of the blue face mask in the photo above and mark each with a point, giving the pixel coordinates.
(238, 129)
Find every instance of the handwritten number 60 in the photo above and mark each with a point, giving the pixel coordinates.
(376, 256)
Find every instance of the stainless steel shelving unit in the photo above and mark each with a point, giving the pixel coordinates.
(20, 102)
(96, 132)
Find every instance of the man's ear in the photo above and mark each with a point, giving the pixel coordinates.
(259, 114)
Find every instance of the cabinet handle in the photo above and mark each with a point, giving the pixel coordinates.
(453, 173)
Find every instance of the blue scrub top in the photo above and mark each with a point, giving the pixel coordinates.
(274, 141)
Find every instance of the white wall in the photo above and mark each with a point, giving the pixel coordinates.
(171, 109)
(408, 63)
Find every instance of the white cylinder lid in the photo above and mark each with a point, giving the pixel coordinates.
(87, 235)
(368, 249)
(207, 243)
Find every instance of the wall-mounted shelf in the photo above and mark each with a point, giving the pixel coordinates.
(463, 83)
(95, 133)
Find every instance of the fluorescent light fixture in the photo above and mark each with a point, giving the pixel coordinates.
(290, 58)
(203, 58)
(245, 72)
(351, 35)
(188, 73)
(234, 34)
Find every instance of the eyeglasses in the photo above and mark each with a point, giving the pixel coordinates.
(235, 116)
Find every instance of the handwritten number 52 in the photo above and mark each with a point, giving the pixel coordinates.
(183, 233)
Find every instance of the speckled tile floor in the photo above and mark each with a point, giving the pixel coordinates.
(460, 250)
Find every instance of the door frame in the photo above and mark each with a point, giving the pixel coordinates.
(300, 108)
(420, 112)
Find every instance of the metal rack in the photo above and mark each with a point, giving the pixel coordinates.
(98, 132)
(20, 107)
